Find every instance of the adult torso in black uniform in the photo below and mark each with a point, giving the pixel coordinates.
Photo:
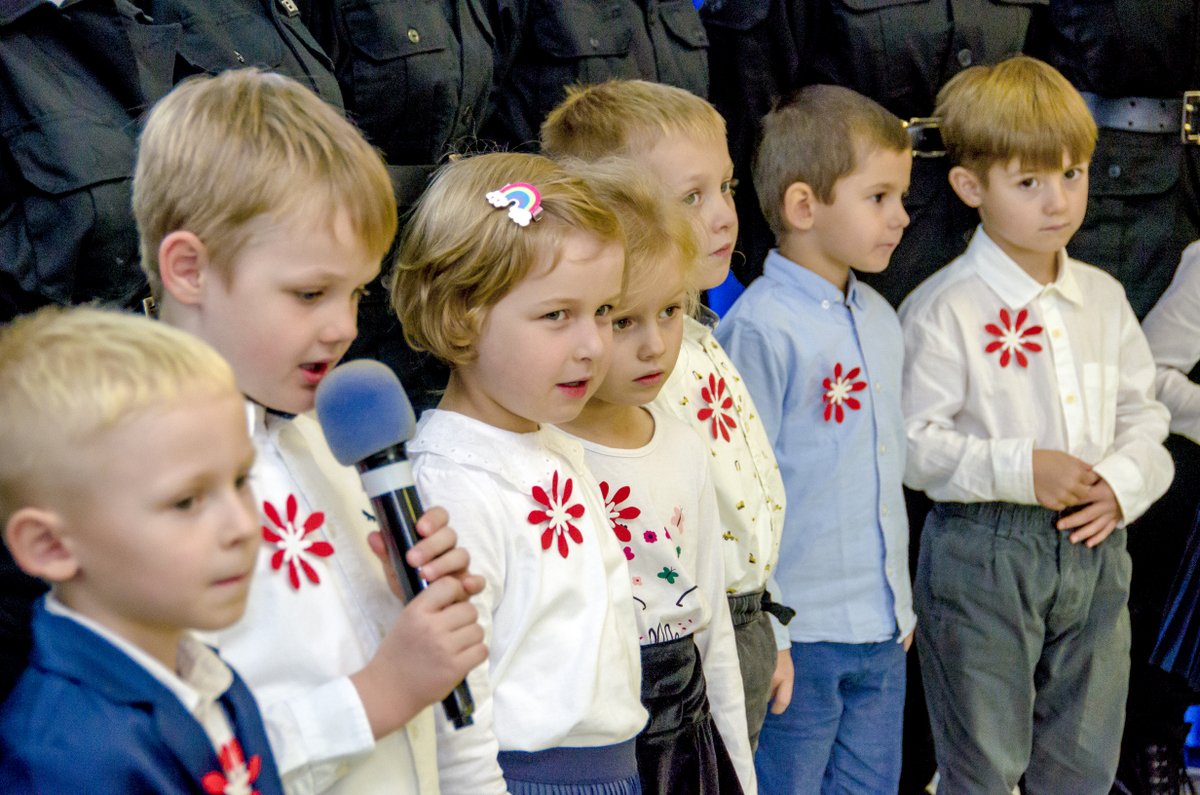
(74, 83)
(546, 45)
(1143, 209)
(897, 52)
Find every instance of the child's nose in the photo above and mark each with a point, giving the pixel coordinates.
(653, 344)
(1056, 196)
(241, 522)
(723, 214)
(341, 326)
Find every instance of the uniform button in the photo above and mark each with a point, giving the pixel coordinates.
(1114, 171)
(883, 511)
(964, 57)
(414, 36)
(595, 43)
(878, 387)
(882, 449)
(825, 304)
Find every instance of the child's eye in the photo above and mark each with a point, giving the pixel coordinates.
(604, 310)
(692, 198)
(185, 503)
(1029, 182)
(557, 314)
(877, 198)
(729, 186)
(669, 312)
(242, 481)
(1073, 173)
(308, 296)
(622, 323)
(360, 293)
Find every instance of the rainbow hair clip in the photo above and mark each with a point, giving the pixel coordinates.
(523, 201)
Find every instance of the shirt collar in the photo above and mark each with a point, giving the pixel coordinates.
(814, 287)
(202, 677)
(1008, 280)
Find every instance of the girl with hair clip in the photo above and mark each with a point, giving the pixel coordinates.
(654, 476)
(507, 271)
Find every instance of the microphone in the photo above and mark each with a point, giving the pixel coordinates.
(366, 418)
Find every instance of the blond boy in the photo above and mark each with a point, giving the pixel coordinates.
(125, 485)
(679, 139)
(1030, 414)
(262, 214)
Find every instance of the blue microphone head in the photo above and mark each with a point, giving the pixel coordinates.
(363, 409)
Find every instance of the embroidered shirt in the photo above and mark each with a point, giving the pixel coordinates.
(662, 512)
(563, 665)
(1173, 330)
(998, 365)
(319, 605)
(824, 369)
(706, 391)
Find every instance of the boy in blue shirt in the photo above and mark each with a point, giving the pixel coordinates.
(1032, 423)
(821, 354)
(125, 485)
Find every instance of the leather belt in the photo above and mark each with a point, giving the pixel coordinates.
(1148, 114)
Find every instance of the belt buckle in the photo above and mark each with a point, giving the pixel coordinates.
(1189, 130)
(925, 132)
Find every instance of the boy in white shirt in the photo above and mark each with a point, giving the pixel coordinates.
(1031, 421)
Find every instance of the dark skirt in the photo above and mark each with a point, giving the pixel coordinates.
(604, 770)
(680, 751)
(1178, 648)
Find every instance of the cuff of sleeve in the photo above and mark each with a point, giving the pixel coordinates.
(1125, 479)
(1012, 465)
(314, 737)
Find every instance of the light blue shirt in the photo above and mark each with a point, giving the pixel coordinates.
(824, 371)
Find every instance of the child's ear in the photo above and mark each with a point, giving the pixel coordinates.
(34, 537)
(799, 201)
(183, 265)
(967, 185)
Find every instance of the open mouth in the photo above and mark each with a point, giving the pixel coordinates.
(314, 371)
(574, 389)
(649, 379)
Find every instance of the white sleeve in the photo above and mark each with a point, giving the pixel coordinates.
(467, 757)
(718, 649)
(958, 467)
(1139, 469)
(1173, 331)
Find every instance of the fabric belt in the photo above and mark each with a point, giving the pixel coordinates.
(1148, 114)
(745, 607)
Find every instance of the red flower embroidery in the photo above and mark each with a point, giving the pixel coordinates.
(236, 774)
(1012, 338)
(719, 403)
(617, 514)
(292, 542)
(838, 392)
(557, 515)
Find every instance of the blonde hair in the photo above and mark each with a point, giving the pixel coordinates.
(657, 230)
(459, 255)
(626, 117)
(221, 155)
(817, 137)
(68, 374)
(1020, 109)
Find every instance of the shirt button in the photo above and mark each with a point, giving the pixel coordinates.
(1114, 171)
(964, 57)
(1056, 333)
(414, 36)
(882, 449)
(595, 43)
(1070, 398)
(878, 387)
(883, 511)
(825, 304)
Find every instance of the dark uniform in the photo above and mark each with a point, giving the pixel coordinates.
(74, 83)
(897, 52)
(1133, 61)
(546, 45)
(416, 76)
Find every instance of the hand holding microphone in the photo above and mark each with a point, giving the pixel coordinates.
(366, 418)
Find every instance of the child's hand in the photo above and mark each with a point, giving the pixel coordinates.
(781, 682)
(1097, 519)
(428, 650)
(1061, 480)
(436, 555)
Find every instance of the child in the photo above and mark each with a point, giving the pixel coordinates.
(654, 477)
(679, 139)
(821, 353)
(1031, 421)
(507, 272)
(262, 214)
(124, 484)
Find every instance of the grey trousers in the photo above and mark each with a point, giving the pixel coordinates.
(756, 655)
(1024, 642)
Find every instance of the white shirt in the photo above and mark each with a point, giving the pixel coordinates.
(316, 618)
(563, 665)
(707, 393)
(998, 365)
(662, 511)
(1173, 330)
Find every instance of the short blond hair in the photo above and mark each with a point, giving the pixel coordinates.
(818, 136)
(1019, 109)
(657, 230)
(626, 117)
(222, 155)
(459, 255)
(69, 374)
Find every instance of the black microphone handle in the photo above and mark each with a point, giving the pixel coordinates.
(397, 512)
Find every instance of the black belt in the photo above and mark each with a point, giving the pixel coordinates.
(1148, 114)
